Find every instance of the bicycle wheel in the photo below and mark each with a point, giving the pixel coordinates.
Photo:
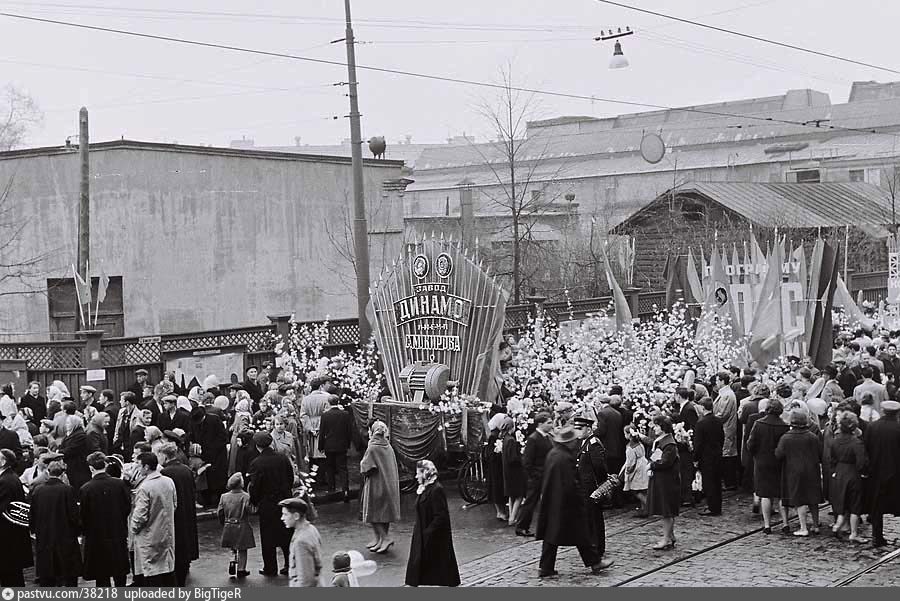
(472, 480)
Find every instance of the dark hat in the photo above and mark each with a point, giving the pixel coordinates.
(262, 439)
(172, 435)
(249, 367)
(581, 420)
(294, 504)
(197, 414)
(340, 562)
(566, 434)
(236, 386)
(141, 372)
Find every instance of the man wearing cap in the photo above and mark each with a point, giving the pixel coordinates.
(172, 417)
(882, 439)
(271, 479)
(55, 522)
(140, 381)
(563, 514)
(591, 466)
(252, 386)
(305, 562)
(105, 505)
(87, 402)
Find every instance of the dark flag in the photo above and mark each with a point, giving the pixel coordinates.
(825, 273)
(678, 285)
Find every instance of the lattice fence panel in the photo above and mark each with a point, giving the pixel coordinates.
(38, 357)
(190, 344)
(343, 334)
(8, 352)
(255, 341)
(646, 302)
(68, 357)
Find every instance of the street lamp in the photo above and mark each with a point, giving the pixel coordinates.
(618, 60)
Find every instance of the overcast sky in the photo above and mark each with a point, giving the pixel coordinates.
(161, 91)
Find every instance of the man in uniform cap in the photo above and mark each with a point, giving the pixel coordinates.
(882, 439)
(305, 563)
(140, 381)
(271, 478)
(592, 468)
(564, 514)
(87, 402)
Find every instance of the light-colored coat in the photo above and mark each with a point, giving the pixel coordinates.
(311, 409)
(153, 525)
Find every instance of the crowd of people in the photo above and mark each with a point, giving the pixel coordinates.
(98, 488)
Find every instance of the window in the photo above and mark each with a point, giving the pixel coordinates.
(64, 307)
(857, 175)
(807, 176)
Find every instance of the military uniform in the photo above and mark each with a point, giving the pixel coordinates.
(590, 464)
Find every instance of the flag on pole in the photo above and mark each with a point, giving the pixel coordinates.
(826, 278)
(843, 299)
(82, 288)
(812, 291)
(623, 311)
(102, 287)
(717, 305)
(693, 279)
(767, 329)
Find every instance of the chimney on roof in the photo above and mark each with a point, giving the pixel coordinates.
(296, 140)
(244, 143)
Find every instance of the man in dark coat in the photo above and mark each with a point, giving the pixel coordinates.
(187, 547)
(610, 431)
(271, 479)
(563, 513)
(252, 386)
(591, 466)
(15, 549)
(208, 431)
(110, 406)
(882, 439)
(137, 388)
(172, 417)
(10, 440)
(105, 505)
(537, 445)
(55, 522)
(687, 416)
(335, 436)
(709, 438)
(33, 400)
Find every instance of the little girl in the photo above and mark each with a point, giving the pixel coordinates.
(234, 515)
(635, 469)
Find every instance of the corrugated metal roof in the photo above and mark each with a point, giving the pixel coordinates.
(800, 205)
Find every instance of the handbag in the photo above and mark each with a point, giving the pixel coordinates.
(605, 491)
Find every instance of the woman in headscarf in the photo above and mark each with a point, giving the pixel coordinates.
(138, 424)
(154, 437)
(847, 461)
(195, 396)
(432, 560)
(184, 403)
(96, 433)
(380, 496)
(242, 421)
(12, 420)
(74, 449)
(800, 452)
(494, 450)
(63, 390)
(765, 434)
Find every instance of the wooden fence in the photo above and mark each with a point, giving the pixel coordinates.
(68, 360)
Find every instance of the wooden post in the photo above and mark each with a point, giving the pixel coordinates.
(84, 213)
(93, 356)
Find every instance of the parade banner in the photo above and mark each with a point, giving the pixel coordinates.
(437, 318)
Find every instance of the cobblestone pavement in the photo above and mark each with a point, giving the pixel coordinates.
(730, 550)
(887, 574)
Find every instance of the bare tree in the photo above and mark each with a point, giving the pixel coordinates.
(522, 187)
(20, 274)
(19, 115)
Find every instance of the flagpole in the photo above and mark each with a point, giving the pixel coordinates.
(846, 252)
(97, 311)
(78, 295)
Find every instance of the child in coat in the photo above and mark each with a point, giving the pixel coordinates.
(343, 571)
(234, 515)
(634, 471)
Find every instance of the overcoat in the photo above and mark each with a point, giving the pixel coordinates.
(761, 443)
(75, 450)
(55, 522)
(105, 505)
(380, 497)
(515, 480)
(15, 550)
(187, 547)
(882, 439)
(664, 493)
(494, 461)
(181, 419)
(234, 515)
(153, 526)
(212, 438)
(432, 561)
(563, 512)
(847, 460)
(800, 452)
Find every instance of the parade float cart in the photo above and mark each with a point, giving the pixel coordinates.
(437, 317)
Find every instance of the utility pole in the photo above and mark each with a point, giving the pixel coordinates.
(84, 212)
(360, 226)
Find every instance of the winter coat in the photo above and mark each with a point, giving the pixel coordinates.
(187, 547)
(75, 450)
(105, 505)
(847, 460)
(212, 438)
(432, 560)
(335, 431)
(882, 440)
(537, 446)
(664, 492)
(709, 438)
(725, 408)
(234, 515)
(761, 443)
(515, 480)
(181, 419)
(153, 526)
(55, 522)
(563, 509)
(635, 469)
(15, 550)
(496, 493)
(609, 431)
(380, 496)
(801, 456)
